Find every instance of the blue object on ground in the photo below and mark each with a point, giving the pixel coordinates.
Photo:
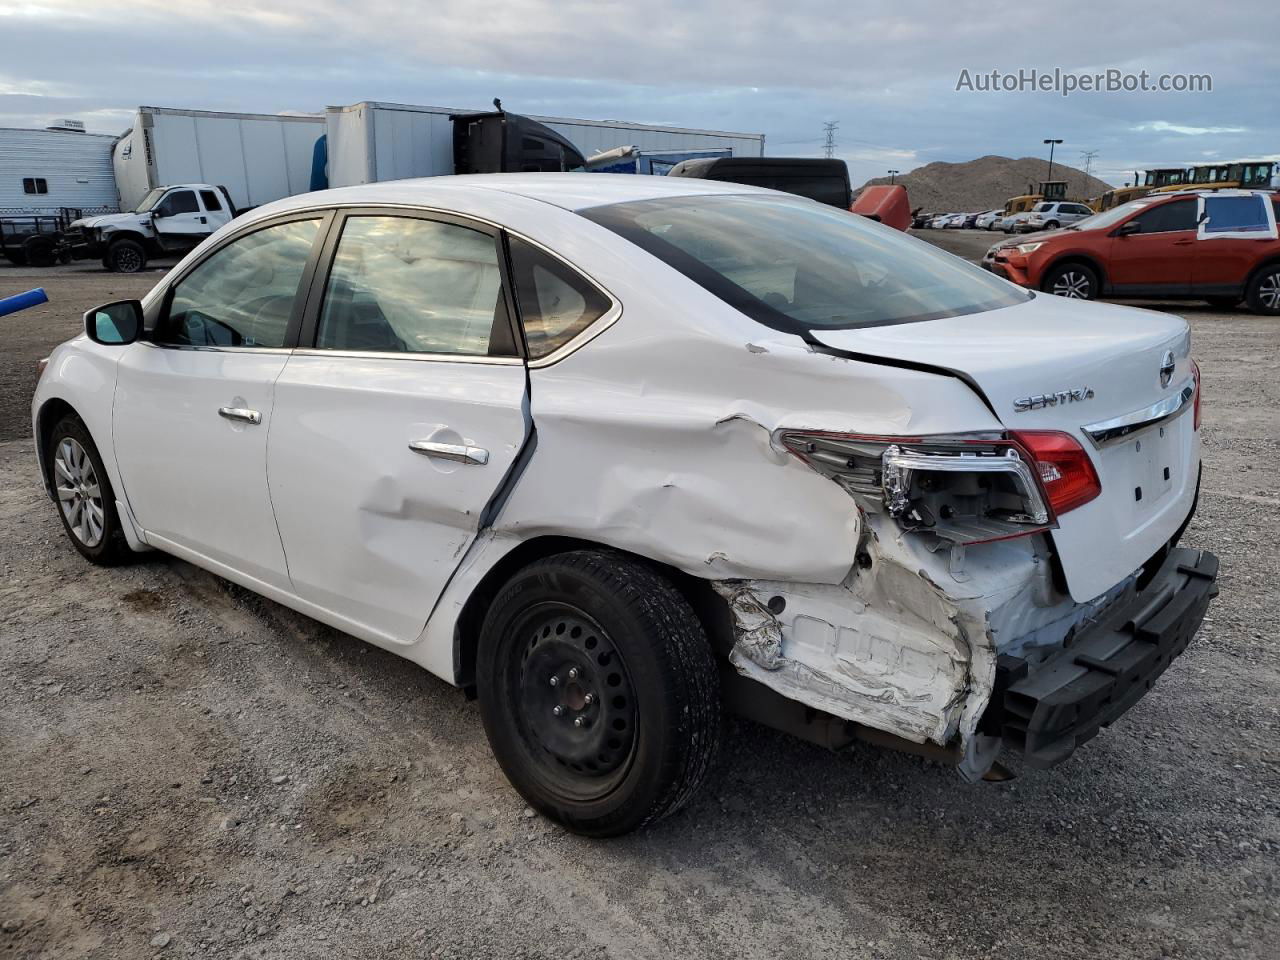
(20, 301)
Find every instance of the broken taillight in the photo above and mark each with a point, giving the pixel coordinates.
(963, 488)
(1065, 470)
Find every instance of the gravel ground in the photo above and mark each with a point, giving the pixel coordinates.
(189, 770)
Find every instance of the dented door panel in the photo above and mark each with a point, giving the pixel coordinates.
(373, 529)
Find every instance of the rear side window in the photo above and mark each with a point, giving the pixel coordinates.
(1042, 208)
(243, 294)
(35, 185)
(406, 285)
(1230, 214)
(1168, 217)
(556, 302)
(210, 200)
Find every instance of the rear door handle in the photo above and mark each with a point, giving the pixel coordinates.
(241, 414)
(1182, 243)
(457, 452)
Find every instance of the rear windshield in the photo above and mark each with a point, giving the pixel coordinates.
(797, 266)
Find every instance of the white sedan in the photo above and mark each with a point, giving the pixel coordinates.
(615, 452)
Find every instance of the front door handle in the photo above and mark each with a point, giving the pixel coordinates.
(457, 452)
(241, 414)
(1182, 243)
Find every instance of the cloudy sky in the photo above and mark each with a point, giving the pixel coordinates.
(886, 72)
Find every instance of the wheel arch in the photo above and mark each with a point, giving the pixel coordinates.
(1268, 262)
(1083, 259)
(117, 236)
(710, 608)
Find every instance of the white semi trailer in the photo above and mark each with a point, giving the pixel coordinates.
(256, 157)
(371, 141)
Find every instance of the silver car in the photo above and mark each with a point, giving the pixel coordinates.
(1050, 215)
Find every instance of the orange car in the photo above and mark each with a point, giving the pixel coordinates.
(1221, 247)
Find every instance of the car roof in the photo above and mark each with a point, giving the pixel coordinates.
(569, 191)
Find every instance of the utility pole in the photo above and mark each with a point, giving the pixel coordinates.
(1088, 161)
(829, 145)
(1052, 144)
(893, 174)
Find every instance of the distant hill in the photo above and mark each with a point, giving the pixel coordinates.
(986, 183)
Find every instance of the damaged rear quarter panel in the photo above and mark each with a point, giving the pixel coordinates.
(655, 438)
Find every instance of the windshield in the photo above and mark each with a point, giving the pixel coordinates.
(1113, 216)
(150, 200)
(796, 265)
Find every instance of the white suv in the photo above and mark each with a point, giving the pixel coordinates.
(1048, 215)
(613, 452)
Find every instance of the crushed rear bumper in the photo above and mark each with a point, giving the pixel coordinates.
(1044, 710)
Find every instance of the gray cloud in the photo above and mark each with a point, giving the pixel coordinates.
(886, 72)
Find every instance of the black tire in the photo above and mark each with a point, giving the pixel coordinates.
(651, 728)
(16, 257)
(1223, 303)
(1052, 225)
(110, 548)
(40, 251)
(1263, 293)
(126, 256)
(1075, 281)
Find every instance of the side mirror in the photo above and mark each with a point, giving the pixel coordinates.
(114, 324)
(1129, 228)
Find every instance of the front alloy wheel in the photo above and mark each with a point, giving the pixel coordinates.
(86, 503)
(79, 492)
(1074, 281)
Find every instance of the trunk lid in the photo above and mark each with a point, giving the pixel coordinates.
(1057, 364)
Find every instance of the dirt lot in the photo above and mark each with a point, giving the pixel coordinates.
(187, 770)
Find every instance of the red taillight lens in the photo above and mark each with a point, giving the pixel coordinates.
(1065, 470)
(1195, 409)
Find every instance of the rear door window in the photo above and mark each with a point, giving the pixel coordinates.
(409, 285)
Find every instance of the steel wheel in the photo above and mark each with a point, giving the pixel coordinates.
(576, 702)
(79, 492)
(598, 690)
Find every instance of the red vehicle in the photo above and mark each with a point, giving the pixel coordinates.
(1220, 247)
(884, 202)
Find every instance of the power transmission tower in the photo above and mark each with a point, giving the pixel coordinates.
(1088, 161)
(829, 145)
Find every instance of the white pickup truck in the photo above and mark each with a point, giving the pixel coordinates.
(170, 221)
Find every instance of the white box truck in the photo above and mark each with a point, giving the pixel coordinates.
(256, 157)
